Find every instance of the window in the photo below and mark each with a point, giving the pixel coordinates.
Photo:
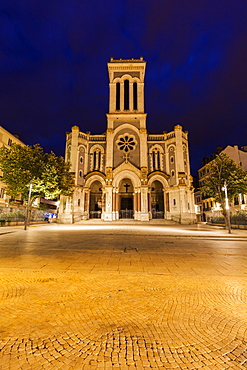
(80, 173)
(79, 202)
(174, 202)
(126, 142)
(156, 159)
(172, 159)
(126, 95)
(135, 96)
(118, 96)
(9, 142)
(81, 159)
(172, 173)
(97, 160)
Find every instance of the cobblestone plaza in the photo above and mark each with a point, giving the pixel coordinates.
(122, 296)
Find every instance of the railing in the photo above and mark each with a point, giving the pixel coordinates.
(236, 222)
(169, 136)
(126, 213)
(97, 138)
(157, 214)
(155, 138)
(82, 136)
(95, 214)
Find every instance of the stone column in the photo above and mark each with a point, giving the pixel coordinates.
(114, 201)
(86, 204)
(131, 96)
(138, 201)
(140, 97)
(144, 204)
(135, 205)
(117, 205)
(122, 96)
(149, 201)
(108, 213)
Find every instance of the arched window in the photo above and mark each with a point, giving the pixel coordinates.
(126, 95)
(118, 96)
(156, 160)
(94, 160)
(135, 96)
(97, 160)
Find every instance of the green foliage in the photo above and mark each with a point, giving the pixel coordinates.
(239, 217)
(19, 215)
(224, 170)
(22, 165)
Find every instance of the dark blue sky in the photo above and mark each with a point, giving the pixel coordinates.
(53, 72)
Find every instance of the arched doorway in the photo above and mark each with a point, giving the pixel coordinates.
(157, 200)
(126, 193)
(95, 205)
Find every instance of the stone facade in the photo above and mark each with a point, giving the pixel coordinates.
(207, 208)
(6, 139)
(127, 172)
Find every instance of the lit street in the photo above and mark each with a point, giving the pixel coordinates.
(123, 296)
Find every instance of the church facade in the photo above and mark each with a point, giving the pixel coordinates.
(127, 172)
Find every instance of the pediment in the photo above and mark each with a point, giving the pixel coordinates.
(126, 166)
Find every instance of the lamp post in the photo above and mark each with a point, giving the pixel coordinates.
(28, 205)
(224, 188)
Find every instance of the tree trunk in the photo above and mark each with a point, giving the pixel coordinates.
(30, 211)
(226, 215)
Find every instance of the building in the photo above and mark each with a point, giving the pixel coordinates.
(206, 206)
(7, 139)
(7, 204)
(127, 172)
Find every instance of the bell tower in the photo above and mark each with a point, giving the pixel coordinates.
(126, 119)
(126, 85)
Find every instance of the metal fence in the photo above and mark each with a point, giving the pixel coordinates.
(126, 213)
(157, 214)
(239, 220)
(95, 214)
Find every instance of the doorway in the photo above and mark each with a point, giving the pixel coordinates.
(95, 207)
(157, 200)
(126, 199)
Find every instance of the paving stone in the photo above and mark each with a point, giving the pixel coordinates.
(123, 297)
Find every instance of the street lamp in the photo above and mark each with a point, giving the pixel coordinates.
(224, 188)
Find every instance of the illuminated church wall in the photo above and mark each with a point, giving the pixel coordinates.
(127, 172)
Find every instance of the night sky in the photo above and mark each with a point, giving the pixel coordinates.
(53, 71)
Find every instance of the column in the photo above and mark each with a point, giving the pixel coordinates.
(131, 96)
(117, 205)
(144, 204)
(122, 96)
(135, 205)
(139, 201)
(149, 201)
(108, 213)
(114, 201)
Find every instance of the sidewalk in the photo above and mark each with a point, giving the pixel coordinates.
(167, 228)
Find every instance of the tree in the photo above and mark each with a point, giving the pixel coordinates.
(28, 167)
(225, 177)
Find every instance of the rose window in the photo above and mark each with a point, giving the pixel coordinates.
(126, 143)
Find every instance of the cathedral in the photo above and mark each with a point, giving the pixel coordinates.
(127, 173)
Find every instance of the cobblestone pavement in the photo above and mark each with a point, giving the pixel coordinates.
(122, 297)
